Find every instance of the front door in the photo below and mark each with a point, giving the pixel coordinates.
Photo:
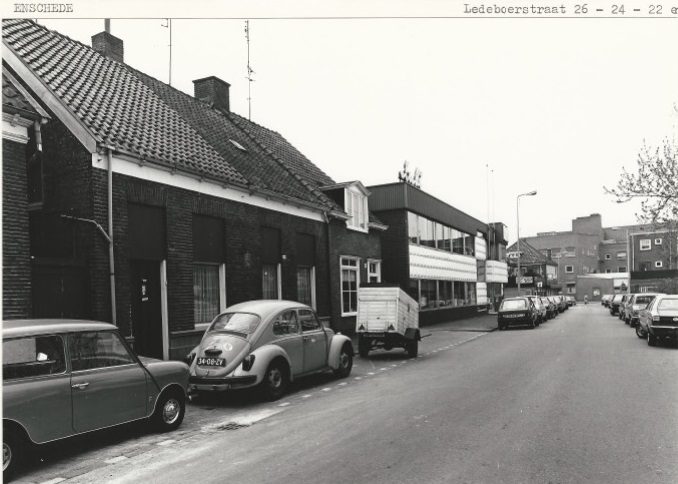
(146, 308)
(108, 385)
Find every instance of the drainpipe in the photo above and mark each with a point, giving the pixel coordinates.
(330, 262)
(111, 260)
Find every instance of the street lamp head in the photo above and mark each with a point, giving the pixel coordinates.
(533, 192)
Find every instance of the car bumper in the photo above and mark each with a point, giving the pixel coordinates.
(515, 322)
(664, 331)
(220, 384)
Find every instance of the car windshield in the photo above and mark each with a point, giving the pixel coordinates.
(514, 304)
(644, 300)
(671, 304)
(236, 323)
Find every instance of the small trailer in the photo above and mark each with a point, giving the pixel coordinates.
(387, 318)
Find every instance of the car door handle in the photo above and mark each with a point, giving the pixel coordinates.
(80, 386)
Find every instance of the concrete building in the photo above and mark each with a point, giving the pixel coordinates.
(442, 257)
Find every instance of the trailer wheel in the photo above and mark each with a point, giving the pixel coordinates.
(364, 346)
(413, 348)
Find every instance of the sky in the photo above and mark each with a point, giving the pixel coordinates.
(486, 108)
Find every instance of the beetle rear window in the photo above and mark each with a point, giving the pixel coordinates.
(33, 356)
(238, 323)
(511, 305)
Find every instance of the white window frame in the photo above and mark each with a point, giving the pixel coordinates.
(658, 241)
(343, 267)
(571, 271)
(608, 256)
(370, 274)
(621, 255)
(312, 282)
(278, 267)
(658, 264)
(645, 244)
(356, 207)
(222, 289)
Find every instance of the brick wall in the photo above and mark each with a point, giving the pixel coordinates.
(16, 271)
(395, 248)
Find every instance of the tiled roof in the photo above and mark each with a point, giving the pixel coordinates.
(265, 161)
(118, 109)
(529, 255)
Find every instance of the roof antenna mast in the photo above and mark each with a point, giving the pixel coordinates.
(169, 26)
(249, 71)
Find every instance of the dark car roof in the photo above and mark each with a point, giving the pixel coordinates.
(24, 327)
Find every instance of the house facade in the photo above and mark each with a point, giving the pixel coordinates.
(538, 273)
(437, 253)
(653, 260)
(157, 209)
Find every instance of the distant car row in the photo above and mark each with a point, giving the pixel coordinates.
(653, 315)
(531, 311)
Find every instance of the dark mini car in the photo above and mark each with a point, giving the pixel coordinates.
(517, 311)
(614, 304)
(659, 321)
(68, 377)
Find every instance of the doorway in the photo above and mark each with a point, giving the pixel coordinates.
(146, 308)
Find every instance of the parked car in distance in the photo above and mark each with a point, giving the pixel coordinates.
(621, 314)
(560, 301)
(635, 304)
(556, 305)
(605, 300)
(266, 344)
(540, 308)
(517, 311)
(67, 377)
(614, 304)
(550, 306)
(660, 319)
(570, 301)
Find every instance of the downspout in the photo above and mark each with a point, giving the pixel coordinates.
(330, 262)
(111, 260)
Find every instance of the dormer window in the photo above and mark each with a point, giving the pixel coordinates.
(356, 208)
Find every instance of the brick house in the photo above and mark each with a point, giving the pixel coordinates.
(538, 272)
(159, 209)
(22, 119)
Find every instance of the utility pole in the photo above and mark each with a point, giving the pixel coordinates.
(249, 78)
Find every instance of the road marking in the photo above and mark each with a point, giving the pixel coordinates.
(306, 396)
(342, 384)
(326, 389)
(115, 459)
(54, 481)
(284, 404)
(166, 442)
(358, 378)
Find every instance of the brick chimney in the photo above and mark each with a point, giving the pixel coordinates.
(107, 44)
(214, 90)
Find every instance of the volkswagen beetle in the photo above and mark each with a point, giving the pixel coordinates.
(266, 344)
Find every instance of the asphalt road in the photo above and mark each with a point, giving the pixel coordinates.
(579, 399)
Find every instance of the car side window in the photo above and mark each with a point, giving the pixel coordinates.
(97, 350)
(309, 321)
(286, 323)
(33, 356)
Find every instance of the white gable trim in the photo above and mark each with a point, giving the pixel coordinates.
(125, 166)
(15, 128)
(53, 102)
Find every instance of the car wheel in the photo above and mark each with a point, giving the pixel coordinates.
(640, 332)
(169, 411)
(13, 452)
(275, 381)
(533, 324)
(364, 346)
(413, 348)
(651, 339)
(345, 362)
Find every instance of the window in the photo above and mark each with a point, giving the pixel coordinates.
(570, 252)
(373, 271)
(621, 255)
(621, 269)
(429, 296)
(608, 257)
(569, 269)
(658, 263)
(33, 356)
(644, 266)
(350, 280)
(657, 241)
(269, 281)
(97, 350)
(645, 244)
(209, 269)
(305, 285)
(445, 294)
(571, 289)
(457, 242)
(309, 321)
(270, 263)
(608, 271)
(206, 294)
(356, 207)
(413, 227)
(286, 323)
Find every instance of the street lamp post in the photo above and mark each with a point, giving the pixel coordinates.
(528, 194)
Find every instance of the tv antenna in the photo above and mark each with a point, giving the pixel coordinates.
(249, 72)
(168, 25)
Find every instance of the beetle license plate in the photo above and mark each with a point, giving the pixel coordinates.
(211, 362)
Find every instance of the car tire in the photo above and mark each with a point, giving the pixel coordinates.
(275, 382)
(364, 346)
(13, 452)
(412, 348)
(345, 362)
(533, 324)
(651, 339)
(169, 411)
(640, 332)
